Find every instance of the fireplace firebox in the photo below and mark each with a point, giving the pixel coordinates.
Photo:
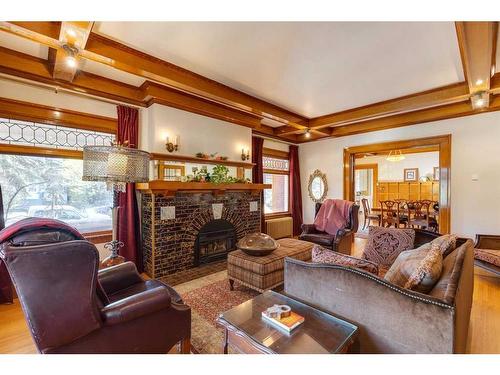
(214, 240)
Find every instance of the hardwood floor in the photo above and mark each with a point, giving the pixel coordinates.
(484, 334)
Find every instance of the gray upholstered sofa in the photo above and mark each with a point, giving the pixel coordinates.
(392, 319)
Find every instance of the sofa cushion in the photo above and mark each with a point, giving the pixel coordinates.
(322, 255)
(385, 244)
(405, 264)
(428, 272)
(488, 256)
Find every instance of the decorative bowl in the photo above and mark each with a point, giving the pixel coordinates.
(257, 244)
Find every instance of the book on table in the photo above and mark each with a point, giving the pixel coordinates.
(288, 323)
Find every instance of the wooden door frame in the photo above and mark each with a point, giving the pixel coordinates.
(444, 144)
(374, 178)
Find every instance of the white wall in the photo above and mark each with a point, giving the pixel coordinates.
(197, 133)
(46, 96)
(475, 205)
(394, 171)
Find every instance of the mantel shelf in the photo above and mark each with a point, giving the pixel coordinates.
(172, 187)
(193, 159)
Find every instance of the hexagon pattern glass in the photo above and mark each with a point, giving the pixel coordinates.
(54, 136)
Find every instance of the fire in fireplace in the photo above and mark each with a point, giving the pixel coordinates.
(215, 239)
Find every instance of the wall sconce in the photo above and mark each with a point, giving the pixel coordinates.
(245, 156)
(171, 147)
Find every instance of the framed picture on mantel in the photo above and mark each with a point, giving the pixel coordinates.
(410, 174)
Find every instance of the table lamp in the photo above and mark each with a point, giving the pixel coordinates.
(116, 165)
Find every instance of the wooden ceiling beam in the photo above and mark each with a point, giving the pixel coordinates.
(430, 98)
(477, 43)
(154, 93)
(38, 70)
(413, 118)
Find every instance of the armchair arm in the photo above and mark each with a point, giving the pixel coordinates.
(343, 241)
(119, 277)
(308, 229)
(135, 306)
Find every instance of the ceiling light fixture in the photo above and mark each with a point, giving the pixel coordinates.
(479, 82)
(71, 33)
(479, 100)
(307, 134)
(71, 53)
(395, 156)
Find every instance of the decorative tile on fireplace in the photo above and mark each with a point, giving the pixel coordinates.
(169, 246)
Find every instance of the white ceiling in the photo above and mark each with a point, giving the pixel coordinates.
(310, 68)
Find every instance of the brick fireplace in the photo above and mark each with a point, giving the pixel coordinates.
(188, 229)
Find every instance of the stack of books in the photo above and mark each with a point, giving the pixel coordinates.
(287, 323)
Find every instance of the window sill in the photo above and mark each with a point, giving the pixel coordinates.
(98, 237)
(277, 215)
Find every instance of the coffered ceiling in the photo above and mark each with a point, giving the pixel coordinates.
(295, 81)
(309, 68)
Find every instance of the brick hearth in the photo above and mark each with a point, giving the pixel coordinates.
(168, 245)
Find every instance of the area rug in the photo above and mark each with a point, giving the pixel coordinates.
(207, 302)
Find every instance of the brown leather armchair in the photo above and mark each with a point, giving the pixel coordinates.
(71, 307)
(342, 241)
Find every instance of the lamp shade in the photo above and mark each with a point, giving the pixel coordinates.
(115, 164)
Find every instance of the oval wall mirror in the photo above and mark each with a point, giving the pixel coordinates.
(318, 186)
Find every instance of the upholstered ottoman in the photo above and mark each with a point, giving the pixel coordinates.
(265, 272)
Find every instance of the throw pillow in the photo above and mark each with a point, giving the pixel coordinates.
(385, 244)
(488, 256)
(404, 265)
(427, 274)
(322, 255)
(446, 243)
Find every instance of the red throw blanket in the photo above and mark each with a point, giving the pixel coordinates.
(32, 223)
(332, 216)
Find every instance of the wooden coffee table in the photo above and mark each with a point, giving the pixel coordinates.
(246, 331)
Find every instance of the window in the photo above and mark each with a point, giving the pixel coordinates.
(39, 186)
(276, 199)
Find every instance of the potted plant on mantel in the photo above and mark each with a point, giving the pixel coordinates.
(219, 175)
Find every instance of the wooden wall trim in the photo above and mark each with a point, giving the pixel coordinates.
(24, 111)
(40, 151)
(444, 143)
(275, 153)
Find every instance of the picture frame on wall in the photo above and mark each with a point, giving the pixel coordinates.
(435, 175)
(411, 174)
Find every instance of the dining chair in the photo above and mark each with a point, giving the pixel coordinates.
(390, 214)
(368, 215)
(418, 214)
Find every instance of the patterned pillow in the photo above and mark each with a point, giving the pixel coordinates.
(428, 272)
(322, 255)
(488, 256)
(447, 243)
(385, 244)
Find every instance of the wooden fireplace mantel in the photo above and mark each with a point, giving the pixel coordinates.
(172, 187)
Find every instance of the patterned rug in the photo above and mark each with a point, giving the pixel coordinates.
(207, 300)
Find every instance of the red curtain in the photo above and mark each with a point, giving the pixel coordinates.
(258, 174)
(128, 213)
(5, 283)
(295, 190)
